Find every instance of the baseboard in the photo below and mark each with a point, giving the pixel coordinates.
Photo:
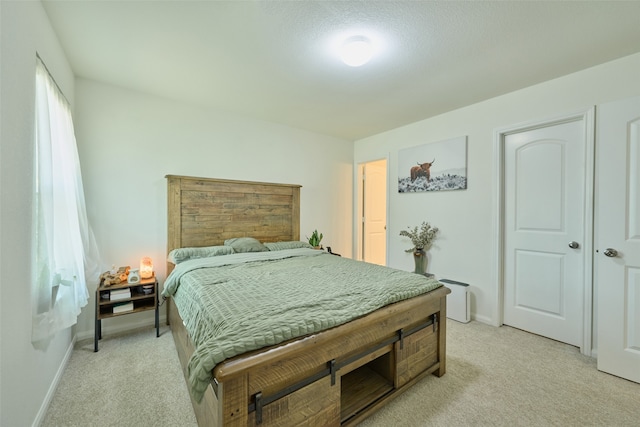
(482, 319)
(54, 385)
(121, 327)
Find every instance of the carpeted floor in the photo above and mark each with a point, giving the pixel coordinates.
(134, 380)
(495, 377)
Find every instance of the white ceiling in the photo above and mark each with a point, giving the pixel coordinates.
(271, 60)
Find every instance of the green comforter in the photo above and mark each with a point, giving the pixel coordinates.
(236, 303)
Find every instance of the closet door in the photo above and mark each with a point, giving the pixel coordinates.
(544, 229)
(617, 257)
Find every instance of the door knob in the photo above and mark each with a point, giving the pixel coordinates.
(574, 245)
(610, 252)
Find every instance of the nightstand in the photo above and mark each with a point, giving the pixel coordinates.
(123, 299)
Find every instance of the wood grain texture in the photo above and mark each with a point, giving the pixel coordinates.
(205, 212)
(317, 405)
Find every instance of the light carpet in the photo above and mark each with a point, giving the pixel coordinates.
(495, 377)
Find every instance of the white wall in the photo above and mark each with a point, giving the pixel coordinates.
(464, 249)
(129, 141)
(26, 375)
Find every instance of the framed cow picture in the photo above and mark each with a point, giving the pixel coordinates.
(436, 166)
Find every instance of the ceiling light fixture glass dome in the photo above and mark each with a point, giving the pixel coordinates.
(356, 51)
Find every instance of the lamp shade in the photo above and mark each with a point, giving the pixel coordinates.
(356, 51)
(146, 268)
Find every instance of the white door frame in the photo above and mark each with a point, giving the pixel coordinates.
(358, 209)
(588, 117)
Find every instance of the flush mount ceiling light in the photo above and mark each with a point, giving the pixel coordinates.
(356, 51)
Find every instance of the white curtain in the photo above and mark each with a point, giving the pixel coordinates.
(65, 253)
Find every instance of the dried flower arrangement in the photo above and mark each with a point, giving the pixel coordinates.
(421, 238)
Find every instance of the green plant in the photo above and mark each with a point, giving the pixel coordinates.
(315, 239)
(422, 238)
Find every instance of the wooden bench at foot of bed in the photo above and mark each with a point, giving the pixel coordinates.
(335, 377)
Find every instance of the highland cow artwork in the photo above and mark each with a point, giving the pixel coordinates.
(436, 166)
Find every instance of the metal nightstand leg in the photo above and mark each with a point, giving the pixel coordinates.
(97, 334)
(97, 327)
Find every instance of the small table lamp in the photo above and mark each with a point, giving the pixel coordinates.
(146, 268)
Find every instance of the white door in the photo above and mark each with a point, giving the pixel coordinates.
(375, 212)
(617, 257)
(544, 229)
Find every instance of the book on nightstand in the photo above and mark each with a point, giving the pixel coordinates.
(123, 307)
(119, 294)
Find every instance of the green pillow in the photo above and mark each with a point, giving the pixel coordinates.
(179, 255)
(279, 246)
(245, 244)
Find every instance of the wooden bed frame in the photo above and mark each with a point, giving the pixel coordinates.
(335, 377)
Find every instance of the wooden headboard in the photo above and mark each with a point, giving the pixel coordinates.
(207, 211)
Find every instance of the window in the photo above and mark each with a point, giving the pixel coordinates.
(64, 249)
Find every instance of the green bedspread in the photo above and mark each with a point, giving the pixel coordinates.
(237, 303)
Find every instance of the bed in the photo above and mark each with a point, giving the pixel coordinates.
(329, 370)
